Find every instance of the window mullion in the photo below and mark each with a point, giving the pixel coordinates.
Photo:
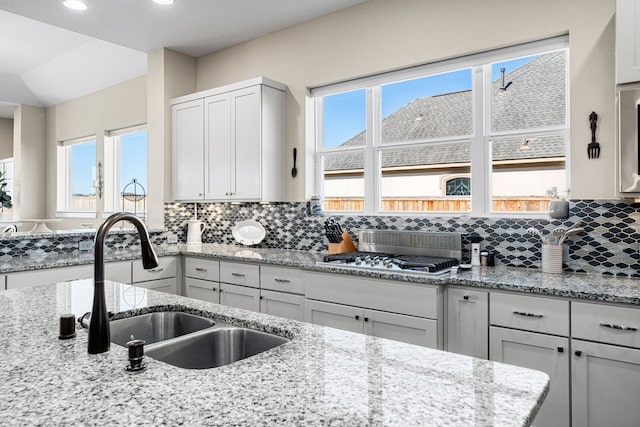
(374, 173)
(479, 154)
(370, 171)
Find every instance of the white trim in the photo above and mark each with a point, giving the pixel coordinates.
(445, 65)
(72, 214)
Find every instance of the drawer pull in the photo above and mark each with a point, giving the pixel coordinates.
(618, 327)
(282, 280)
(466, 297)
(578, 353)
(215, 289)
(201, 269)
(237, 274)
(357, 317)
(560, 349)
(156, 270)
(524, 313)
(366, 319)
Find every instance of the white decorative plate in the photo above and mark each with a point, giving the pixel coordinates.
(248, 232)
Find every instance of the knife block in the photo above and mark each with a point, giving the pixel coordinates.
(345, 246)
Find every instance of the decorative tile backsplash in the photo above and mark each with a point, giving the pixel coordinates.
(609, 245)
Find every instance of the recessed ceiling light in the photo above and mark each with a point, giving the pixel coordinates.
(75, 4)
(163, 1)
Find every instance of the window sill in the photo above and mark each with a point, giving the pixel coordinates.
(87, 214)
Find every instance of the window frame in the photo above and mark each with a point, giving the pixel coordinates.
(112, 159)
(481, 170)
(64, 193)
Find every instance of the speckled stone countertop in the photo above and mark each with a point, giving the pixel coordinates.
(321, 377)
(573, 285)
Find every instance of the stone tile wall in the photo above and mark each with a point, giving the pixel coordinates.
(609, 245)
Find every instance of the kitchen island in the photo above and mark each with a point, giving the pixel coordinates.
(323, 376)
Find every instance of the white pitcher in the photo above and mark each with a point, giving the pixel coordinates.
(194, 231)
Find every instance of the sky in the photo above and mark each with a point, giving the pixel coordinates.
(133, 159)
(345, 113)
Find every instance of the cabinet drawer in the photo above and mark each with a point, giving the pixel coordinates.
(27, 279)
(166, 268)
(240, 274)
(163, 285)
(282, 279)
(395, 297)
(606, 323)
(535, 314)
(203, 269)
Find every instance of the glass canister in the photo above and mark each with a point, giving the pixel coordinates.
(315, 206)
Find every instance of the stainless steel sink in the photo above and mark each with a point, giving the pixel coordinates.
(156, 326)
(214, 347)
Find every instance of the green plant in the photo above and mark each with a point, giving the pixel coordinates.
(5, 199)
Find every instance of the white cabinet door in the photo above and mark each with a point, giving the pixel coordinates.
(202, 289)
(187, 121)
(333, 315)
(605, 385)
(246, 124)
(282, 304)
(218, 147)
(468, 322)
(627, 41)
(546, 353)
(240, 296)
(399, 327)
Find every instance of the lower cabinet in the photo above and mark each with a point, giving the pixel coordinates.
(240, 296)
(546, 353)
(404, 328)
(468, 322)
(163, 278)
(282, 304)
(605, 385)
(605, 361)
(204, 290)
(119, 271)
(382, 308)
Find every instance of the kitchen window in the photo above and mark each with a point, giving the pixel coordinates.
(77, 175)
(483, 134)
(99, 176)
(125, 156)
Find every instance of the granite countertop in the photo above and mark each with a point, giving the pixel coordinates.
(592, 287)
(323, 376)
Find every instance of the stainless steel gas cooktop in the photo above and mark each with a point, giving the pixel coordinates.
(412, 252)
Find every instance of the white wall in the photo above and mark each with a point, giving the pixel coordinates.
(29, 162)
(170, 74)
(382, 35)
(116, 107)
(6, 138)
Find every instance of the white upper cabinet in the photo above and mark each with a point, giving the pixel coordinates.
(240, 143)
(187, 120)
(627, 41)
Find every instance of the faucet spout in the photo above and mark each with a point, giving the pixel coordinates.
(99, 333)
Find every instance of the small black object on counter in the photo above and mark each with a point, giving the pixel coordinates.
(67, 326)
(136, 355)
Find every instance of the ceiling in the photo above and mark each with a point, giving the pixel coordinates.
(50, 54)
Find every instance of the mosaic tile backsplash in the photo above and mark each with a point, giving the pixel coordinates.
(610, 243)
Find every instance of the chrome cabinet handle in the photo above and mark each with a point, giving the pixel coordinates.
(524, 313)
(237, 274)
(618, 327)
(281, 280)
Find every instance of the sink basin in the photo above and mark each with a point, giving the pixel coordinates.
(214, 347)
(156, 326)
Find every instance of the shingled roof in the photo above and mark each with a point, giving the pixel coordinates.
(451, 115)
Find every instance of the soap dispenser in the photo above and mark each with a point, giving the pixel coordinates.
(475, 249)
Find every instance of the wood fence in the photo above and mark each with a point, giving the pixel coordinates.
(435, 204)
